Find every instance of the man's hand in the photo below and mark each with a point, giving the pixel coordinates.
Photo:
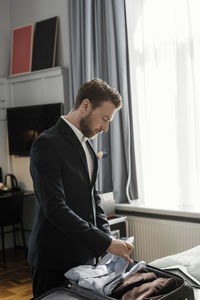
(121, 248)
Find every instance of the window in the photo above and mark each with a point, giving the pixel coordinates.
(164, 53)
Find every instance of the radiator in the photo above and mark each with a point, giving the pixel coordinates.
(155, 238)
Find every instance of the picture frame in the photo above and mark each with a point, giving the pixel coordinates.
(44, 44)
(21, 49)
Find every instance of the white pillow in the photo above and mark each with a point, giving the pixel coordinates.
(189, 259)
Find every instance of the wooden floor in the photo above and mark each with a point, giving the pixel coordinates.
(15, 281)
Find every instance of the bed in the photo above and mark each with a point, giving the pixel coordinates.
(185, 264)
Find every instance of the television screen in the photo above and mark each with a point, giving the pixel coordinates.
(27, 122)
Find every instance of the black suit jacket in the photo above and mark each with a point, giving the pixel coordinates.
(64, 234)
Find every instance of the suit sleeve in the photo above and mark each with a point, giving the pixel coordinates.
(46, 171)
(102, 222)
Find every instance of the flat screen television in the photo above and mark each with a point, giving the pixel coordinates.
(25, 123)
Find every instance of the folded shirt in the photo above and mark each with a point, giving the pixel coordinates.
(105, 275)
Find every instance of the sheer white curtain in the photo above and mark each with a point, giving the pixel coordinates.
(164, 50)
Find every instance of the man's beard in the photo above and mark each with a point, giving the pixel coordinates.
(85, 127)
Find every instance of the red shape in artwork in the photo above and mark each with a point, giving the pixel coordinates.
(22, 42)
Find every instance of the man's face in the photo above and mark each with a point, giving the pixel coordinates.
(97, 120)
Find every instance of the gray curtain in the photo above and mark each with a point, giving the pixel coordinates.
(98, 48)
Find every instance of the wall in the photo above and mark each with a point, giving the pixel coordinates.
(23, 12)
(3, 126)
(4, 37)
(40, 87)
(14, 14)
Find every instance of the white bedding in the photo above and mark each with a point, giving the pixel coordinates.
(190, 259)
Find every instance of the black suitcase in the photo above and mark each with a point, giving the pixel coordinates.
(71, 291)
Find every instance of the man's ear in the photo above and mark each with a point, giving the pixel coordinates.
(85, 105)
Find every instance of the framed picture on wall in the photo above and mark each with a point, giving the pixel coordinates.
(21, 49)
(44, 44)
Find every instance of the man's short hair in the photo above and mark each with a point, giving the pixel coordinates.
(98, 91)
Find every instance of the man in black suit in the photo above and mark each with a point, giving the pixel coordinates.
(70, 226)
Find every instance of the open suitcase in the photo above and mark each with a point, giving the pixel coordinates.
(71, 291)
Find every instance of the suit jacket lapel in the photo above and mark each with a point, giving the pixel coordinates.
(72, 138)
(94, 175)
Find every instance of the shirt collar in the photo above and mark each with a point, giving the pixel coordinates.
(78, 133)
